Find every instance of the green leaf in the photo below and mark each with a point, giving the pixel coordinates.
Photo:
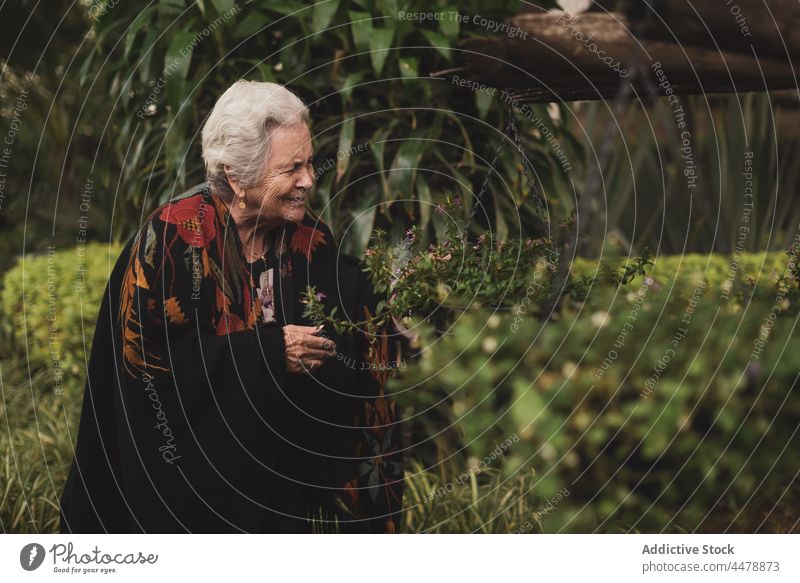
(254, 22)
(379, 43)
(388, 7)
(345, 141)
(363, 221)
(378, 147)
(500, 221)
(361, 26)
(84, 70)
(425, 200)
(169, 10)
(404, 167)
(147, 55)
(287, 8)
(324, 11)
(449, 24)
(440, 42)
(483, 101)
(223, 5)
(141, 19)
(323, 191)
(349, 84)
(176, 66)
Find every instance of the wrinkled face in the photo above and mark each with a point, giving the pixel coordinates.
(288, 176)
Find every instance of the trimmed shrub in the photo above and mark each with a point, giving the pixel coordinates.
(666, 403)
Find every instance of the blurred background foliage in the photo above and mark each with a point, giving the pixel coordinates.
(105, 101)
(649, 402)
(117, 99)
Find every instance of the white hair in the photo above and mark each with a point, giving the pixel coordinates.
(239, 129)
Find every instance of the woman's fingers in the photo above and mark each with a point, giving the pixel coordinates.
(305, 349)
(316, 355)
(319, 343)
(304, 329)
(305, 341)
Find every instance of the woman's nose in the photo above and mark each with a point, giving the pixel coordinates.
(306, 180)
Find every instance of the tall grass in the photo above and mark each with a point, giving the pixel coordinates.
(484, 502)
(36, 427)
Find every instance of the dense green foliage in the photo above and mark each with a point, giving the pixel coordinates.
(107, 112)
(667, 403)
(386, 134)
(580, 445)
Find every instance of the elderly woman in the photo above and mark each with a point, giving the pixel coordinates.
(211, 403)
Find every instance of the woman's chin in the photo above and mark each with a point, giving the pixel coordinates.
(294, 215)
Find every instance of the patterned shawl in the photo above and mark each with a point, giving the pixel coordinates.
(190, 421)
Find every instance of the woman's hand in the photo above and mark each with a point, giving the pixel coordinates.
(306, 350)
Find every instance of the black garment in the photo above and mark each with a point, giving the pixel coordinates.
(250, 448)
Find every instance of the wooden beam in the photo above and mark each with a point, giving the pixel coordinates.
(589, 56)
(767, 28)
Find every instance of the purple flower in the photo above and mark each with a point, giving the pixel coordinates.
(753, 371)
(320, 296)
(410, 235)
(457, 201)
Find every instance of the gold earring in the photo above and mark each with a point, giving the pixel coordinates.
(241, 200)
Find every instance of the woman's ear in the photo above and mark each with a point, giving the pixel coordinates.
(231, 180)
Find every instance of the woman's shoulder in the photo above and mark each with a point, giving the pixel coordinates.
(192, 214)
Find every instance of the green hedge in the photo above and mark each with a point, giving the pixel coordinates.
(42, 381)
(49, 305)
(585, 452)
(681, 445)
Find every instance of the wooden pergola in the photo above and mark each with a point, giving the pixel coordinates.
(673, 46)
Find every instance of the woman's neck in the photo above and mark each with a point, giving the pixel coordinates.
(255, 240)
(254, 231)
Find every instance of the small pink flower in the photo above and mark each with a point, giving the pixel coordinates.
(320, 296)
(439, 208)
(457, 201)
